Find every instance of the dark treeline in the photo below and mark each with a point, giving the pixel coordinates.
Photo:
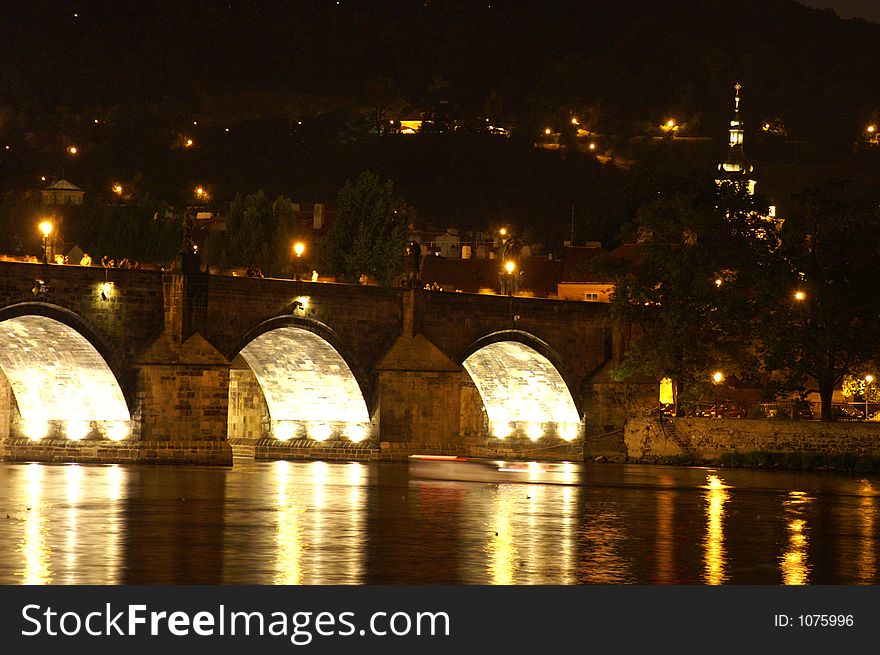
(306, 90)
(627, 62)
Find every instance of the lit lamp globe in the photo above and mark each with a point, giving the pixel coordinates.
(46, 228)
(299, 248)
(718, 377)
(510, 267)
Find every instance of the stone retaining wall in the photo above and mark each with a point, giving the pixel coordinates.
(104, 451)
(708, 439)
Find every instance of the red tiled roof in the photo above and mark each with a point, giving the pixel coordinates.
(579, 265)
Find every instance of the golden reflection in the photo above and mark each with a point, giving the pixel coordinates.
(794, 564)
(664, 546)
(357, 496)
(714, 557)
(502, 550)
(115, 477)
(868, 514)
(532, 543)
(317, 530)
(566, 534)
(73, 474)
(34, 546)
(289, 532)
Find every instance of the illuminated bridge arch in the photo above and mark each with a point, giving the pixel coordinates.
(523, 390)
(309, 387)
(59, 374)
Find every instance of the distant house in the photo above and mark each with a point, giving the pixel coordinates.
(580, 279)
(62, 192)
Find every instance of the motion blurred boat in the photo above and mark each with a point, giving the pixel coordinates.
(474, 469)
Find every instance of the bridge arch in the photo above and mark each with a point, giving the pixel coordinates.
(310, 385)
(524, 386)
(61, 374)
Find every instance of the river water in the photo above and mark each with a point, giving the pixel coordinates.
(353, 523)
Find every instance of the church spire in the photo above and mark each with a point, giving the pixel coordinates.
(736, 168)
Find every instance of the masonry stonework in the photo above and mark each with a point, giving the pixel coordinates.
(708, 439)
(169, 338)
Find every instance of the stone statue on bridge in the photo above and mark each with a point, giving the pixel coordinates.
(412, 265)
(510, 273)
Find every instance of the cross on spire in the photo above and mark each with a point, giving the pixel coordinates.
(737, 86)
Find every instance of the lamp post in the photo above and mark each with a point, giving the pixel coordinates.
(46, 228)
(717, 379)
(298, 249)
(868, 380)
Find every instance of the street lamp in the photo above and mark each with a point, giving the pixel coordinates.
(800, 296)
(868, 380)
(117, 189)
(46, 228)
(72, 150)
(509, 286)
(298, 249)
(717, 379)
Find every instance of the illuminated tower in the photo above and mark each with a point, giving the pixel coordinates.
(736, 168)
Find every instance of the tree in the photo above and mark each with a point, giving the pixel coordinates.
(258, 235)
(380, 101)
(820, 316)
(370, 231)
(687, 289)
(138, 231)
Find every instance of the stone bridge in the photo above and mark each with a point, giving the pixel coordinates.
(181, 366)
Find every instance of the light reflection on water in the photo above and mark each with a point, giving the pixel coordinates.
(868, 532)
(795, 560)
(715, 558)
(355, 523)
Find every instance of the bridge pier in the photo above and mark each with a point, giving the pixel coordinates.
(183, 398)
(182, 380)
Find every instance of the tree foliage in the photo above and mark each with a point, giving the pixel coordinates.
(258, 235)
(370, 231)
(686, 288)
(139, 231)
(829, 253)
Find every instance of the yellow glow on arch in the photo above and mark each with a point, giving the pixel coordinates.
(320, 431)
(517, 383)
(76, 430)
(356, 432)
(57, 375)
(35, 430)
(305, 379)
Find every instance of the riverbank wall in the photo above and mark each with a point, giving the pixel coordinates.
(749, 442)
